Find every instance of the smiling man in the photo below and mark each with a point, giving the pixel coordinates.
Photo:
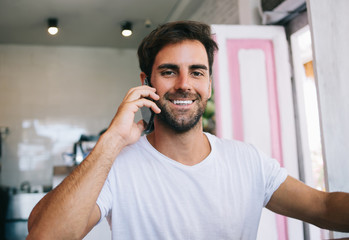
(177, 182)
(180, 75)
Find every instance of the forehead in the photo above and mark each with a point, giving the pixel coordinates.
(183, 53)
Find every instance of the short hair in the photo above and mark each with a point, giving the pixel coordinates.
(171, 33)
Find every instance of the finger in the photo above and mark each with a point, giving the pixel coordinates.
(143, 102)
(141, 92)
(154, 96)
(135, 89)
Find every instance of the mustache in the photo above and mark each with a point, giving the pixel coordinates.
(181, 94)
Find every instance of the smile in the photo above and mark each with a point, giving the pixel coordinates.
(182, 102)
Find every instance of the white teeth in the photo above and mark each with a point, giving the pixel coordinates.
(182, 102)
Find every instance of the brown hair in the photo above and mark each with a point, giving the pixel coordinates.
(174, 32)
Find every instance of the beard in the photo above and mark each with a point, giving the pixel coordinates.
(181, 120)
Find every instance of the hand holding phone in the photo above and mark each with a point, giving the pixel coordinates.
(147, 114)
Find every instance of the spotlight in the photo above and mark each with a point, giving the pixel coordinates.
(52, 26)
(126, 29)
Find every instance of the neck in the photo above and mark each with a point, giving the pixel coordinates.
(188, 148)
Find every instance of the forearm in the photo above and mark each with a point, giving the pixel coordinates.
(337, 213)
(64, 212)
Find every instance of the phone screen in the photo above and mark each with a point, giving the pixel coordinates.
(147, 114)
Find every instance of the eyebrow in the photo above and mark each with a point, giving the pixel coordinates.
(198, 66)
(168, 65)
(176, 67)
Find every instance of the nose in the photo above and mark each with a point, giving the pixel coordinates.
(183, 82)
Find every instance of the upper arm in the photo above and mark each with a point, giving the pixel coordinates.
(297, 200)
(93, 219)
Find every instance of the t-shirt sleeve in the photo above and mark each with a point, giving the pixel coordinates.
(104, 200)
(273, 174)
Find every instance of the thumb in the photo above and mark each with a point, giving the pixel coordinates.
(140, 125)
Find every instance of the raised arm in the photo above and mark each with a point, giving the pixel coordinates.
(325, 210)
(70, 210)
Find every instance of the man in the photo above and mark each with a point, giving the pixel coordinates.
(177, 182)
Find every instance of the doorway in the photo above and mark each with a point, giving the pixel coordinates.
(307, 112)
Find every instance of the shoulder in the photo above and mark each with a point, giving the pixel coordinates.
(242, 154)
(140, 145)
(231, 146)
(132, 154)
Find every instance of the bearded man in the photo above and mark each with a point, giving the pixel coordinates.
(177, 182)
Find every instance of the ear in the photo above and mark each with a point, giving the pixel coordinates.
(142, 76)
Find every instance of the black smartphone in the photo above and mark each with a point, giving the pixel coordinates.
(147, 114)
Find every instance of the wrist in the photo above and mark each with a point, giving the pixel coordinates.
(110, 143)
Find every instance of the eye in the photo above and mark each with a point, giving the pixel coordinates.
(197, 74)
(167, 73)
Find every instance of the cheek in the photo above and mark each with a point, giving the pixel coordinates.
(205, 92)
(161, 86)
(160, 92)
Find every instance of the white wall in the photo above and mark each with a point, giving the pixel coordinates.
(49, 96)
(331, 51)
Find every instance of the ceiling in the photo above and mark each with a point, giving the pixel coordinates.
(87, 22)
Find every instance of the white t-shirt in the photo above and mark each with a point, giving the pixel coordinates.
(150, 196)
